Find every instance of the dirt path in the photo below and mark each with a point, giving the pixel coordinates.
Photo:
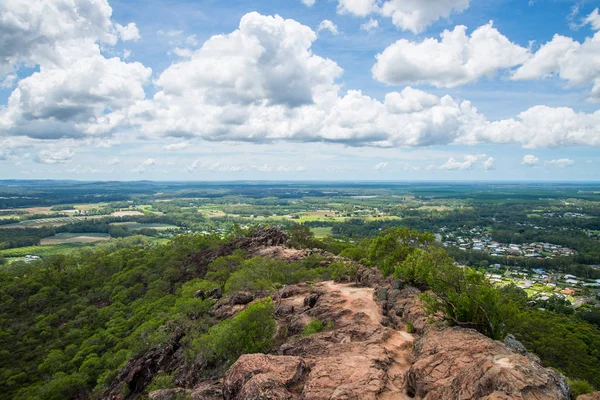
(358, 299)
(397, 345)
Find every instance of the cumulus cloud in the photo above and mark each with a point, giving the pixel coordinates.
(327, 25)
(143, 167)
(407, 15)
(60, 156)
(489, 164)
(370, 25)
(176, 146)
(77, 91)
(467, 162)
(309, 3)
(530, 160)
(593, 20)
(539, 126)
(454, 60)
(560, 163)
(264, 83)
(128, 32)
(576, 63)
(114, 161)
(381, 166)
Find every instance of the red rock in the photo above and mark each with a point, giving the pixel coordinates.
(460, 363)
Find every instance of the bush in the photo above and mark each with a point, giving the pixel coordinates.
(410, 328)
(161, 381)
(579, 387)
(313, 327)
(250, 331)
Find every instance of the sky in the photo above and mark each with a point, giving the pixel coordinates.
(300, 90)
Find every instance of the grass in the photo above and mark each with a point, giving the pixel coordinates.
(321, 232)
(132, 226)
(42, 251)
(313, 327)
(62, 238)
(34, 223)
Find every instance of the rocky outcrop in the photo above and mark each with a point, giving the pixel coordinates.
(355, 358)
(261, 376)
(458, 363)
(260, 238)
(363, 352)
(139, 371)
(590, 396)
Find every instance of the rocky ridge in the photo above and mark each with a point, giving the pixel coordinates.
(365, 352)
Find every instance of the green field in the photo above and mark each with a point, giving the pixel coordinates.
(62, 238)
(36, 223)
(132, 226)
(321, 232)
(42, 251)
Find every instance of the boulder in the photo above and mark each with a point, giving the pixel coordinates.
(311, 301)
(241, 298)
(589, 396)
(457, 363)
(273, 376)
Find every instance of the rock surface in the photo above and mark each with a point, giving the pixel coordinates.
(590, 396)
(458, 363)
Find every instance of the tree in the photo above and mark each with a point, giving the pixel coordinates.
(393, 246)
(301, 236)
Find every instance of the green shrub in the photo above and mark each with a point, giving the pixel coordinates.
(161, 381)
(250, 331)
(579, 387)
(313, 327)
(410, 328)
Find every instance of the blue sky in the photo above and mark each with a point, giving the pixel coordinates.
(284, 90)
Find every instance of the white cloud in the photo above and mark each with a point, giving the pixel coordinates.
(229, 91)
(192, 167)
(327, 25)
(60, 156)
(593, 20)
(309, 3)
(360, 8)
(172, 33)
(575, 62)
(143, 167)
(561, 163)
(467, 163)
(77, 91)
(176, 146)
(128, 32)
(489, 164)
(370, 25)
(114, 161)
(539, 126)
(454, 60)
(8, 81)
(530, 160)
(408, 15)
(381, 166)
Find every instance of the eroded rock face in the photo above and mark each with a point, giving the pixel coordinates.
(356, 358)
(260, 376)
(590, 396)
(457, 363)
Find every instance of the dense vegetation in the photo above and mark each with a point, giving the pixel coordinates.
(70, 321)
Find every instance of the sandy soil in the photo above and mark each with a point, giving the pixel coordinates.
(358, 299)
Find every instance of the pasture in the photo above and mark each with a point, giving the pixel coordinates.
(63, 238)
